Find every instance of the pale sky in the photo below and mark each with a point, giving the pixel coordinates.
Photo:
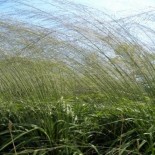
(117, 7)
(120, 7)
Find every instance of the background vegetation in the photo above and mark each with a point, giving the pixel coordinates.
(75, 81)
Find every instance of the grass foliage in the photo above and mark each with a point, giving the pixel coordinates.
(76, 83)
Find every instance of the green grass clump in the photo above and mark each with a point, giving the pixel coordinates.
(74, 84)
(77, 127)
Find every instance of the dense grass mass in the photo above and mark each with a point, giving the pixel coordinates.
(74, 81)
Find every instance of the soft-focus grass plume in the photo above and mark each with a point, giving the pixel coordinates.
(90, 50)
(75, 81)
